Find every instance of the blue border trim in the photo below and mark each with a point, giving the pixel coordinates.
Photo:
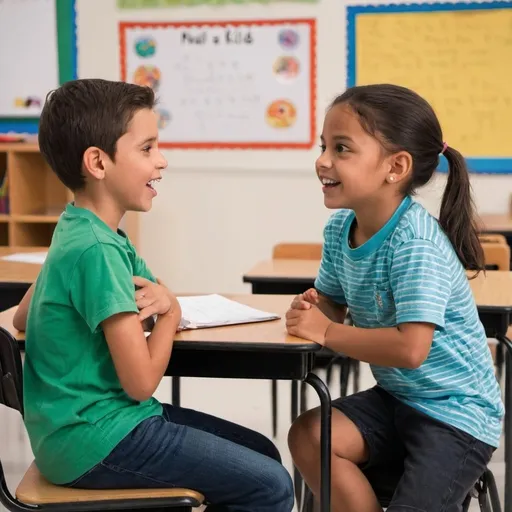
(30, 125)
(476, 165)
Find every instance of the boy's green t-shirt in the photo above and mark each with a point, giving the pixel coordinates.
(76, 410)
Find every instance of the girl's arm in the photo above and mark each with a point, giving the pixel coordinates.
(20, 317)
(404, 346)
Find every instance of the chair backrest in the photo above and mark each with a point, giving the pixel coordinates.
(11, 376)
(492, 238)
(496, 256)
(292, 251)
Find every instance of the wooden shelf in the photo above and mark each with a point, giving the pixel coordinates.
(37, 219)
(36, 198)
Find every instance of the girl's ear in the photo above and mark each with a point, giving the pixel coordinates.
(400, 167)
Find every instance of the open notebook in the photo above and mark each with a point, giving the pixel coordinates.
(203, 311)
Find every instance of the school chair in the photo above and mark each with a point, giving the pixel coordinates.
(35, 493)
(325, 359)
(484, 490)
(492, 238)
(497, 257)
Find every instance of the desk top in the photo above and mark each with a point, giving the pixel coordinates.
(499, 223)
(271, 335)
(492, 289)
(16, 272)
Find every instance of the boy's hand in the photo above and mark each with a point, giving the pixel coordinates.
(154, 299)
(306, 300)
(309, 323)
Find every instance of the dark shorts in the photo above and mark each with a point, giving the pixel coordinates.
(416, 463)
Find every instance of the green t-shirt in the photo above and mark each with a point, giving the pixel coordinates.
(76, 411)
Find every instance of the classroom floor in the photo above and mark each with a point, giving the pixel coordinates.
(247, 403)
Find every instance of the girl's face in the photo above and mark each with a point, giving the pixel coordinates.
(353, 166)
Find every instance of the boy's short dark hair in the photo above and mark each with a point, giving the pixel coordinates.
(85, 113)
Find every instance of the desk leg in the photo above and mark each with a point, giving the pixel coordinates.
(325, 439)
(508, 422)
(297, 479)
(175, 391)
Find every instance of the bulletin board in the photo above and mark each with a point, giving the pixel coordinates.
(37, 53)
(457, 55)
(227, 84)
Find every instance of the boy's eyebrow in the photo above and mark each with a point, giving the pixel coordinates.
(148, 141)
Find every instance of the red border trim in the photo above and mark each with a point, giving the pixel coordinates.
(126, 25)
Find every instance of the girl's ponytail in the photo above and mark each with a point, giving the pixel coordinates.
(457, 215)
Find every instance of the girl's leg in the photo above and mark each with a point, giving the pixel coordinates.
(365, 452)
(162, 453)
(441, 466)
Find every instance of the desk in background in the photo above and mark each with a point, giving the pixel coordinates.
(252, 351)
(16, 277)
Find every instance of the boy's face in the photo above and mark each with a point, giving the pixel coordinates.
(138, 162)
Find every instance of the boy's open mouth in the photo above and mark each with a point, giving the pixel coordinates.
(151, 183)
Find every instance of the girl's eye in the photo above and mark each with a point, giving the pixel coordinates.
(322, 147)
(146, 149)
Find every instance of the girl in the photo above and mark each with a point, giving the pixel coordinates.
(424, 434)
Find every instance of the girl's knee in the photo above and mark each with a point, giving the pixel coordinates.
(305, 432)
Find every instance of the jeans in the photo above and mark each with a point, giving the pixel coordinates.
(236, 469)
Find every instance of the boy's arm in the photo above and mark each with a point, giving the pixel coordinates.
(20, 317)
(140, 364)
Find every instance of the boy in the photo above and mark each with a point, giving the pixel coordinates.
(90, 373)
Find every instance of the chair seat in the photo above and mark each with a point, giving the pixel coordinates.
(34, 489)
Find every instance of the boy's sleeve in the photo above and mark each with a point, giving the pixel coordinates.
(102, 285)
(327, 281)
(421, 282)
(141, 269)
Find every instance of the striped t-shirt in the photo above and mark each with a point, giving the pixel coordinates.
(409, 272)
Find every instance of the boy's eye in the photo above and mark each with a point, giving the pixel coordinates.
(340, 148)
(322, 147)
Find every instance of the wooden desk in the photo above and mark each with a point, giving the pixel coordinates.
(252, 351)
(496, 223)
(16, 277)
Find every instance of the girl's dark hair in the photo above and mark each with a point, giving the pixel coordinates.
(403, 121)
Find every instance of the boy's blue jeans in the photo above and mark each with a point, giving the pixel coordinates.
(236, 469)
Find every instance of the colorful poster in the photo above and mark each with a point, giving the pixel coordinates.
(148, 4)
(232, 84)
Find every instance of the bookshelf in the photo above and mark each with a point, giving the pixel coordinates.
(36, 198)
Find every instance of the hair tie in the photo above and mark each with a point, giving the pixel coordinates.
(445, 145)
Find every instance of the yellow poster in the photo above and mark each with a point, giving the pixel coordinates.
(459, 60)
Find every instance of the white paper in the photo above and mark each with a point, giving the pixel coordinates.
(27, 257)
(215, 310)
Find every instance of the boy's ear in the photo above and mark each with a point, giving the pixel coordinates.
(95, 162)
(401, 167)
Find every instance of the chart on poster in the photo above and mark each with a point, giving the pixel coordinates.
(229, 84)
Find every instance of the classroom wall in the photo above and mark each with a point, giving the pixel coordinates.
(219, 212)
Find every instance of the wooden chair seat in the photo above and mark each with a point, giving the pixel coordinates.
(34, 489)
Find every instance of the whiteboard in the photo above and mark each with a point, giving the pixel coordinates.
(28, 56)
(226, 84)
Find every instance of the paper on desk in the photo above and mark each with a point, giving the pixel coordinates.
(27, 257)
(202, 311)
